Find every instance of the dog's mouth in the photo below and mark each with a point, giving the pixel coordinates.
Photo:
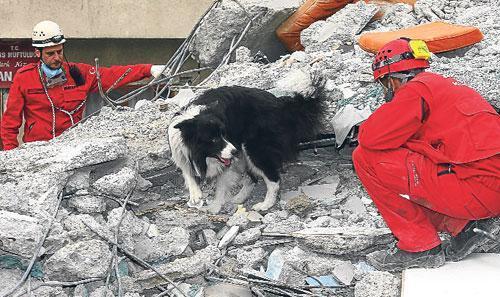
(224, 161)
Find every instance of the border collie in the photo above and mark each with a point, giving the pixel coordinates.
(238, 134)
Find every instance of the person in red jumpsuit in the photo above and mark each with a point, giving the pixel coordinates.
(430, 160)
(52, 93)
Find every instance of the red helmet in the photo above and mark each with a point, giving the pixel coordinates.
(400, 55)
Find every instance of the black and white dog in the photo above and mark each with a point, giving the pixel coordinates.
(229, 131)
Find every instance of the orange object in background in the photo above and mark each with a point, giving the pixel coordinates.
(310, 12)
(313, 10)
(439, 36)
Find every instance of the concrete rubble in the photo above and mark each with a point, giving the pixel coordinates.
(324, 224)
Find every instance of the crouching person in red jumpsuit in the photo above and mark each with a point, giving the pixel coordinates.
(52, 93)
(430, 160)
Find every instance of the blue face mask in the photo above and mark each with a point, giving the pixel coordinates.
(50, 73)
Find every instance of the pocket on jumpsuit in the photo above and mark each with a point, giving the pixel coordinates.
(415, 164)
(392, 172)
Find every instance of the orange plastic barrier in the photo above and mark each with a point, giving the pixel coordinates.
(440, 37)
(308, 13)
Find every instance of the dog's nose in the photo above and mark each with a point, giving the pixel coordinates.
(234, 152)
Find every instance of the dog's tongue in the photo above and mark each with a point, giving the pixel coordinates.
(224, 161)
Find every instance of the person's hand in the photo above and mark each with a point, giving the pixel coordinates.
(157, 70)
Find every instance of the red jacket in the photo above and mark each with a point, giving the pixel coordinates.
(439, 118)
(27, 97)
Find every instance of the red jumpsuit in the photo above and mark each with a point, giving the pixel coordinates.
(430, 160)
(27, 98)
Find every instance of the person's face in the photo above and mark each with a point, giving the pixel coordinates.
(52, 56)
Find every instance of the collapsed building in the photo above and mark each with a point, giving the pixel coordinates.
(101, 209)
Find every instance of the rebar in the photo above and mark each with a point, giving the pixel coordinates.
(99, 85)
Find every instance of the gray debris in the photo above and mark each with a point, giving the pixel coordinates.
(323, 194)
(344, 272)
(334, 32)
(238, 219)
(249, 257)
(248, 236)
(87, 204)
(80, 180)
(164, 245)
(227, 290)
(180, 268)
(118, 184)
(228, 20)
(378, 284)
(228, 237)
(19, 234)
(84, 259)
(343, 240)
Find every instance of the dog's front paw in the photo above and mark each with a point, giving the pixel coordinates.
(195, 203)
(262, 206)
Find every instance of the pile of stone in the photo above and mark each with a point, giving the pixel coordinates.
(67, 202)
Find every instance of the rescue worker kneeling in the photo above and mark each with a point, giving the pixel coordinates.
(430, 160)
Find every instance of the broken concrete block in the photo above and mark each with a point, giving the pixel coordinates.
(354, 205)
(324, 35)
(19, 234)
(210, 236)
(87, 204)
(190, 290)
(180, 268)
(324, 193)
(46, 291)
(228, 19)
(300, 204)
(243, 55)
(378, 284)
(323, 221)
(248, 257)
(80, 180)
(81, 260)
(152, 231)
(344, 272)
(164, 245)
(343, 240)
(102, 292)
(248, 236)
(227, 290)
(296, 81)
(118, 184)
(238, 219)
(56, 239)
(181, 217)
(228, 237)
(81, 291)
(295, 265)
(130, 224)
(289, 225)
(76, 225)
(33, 194)
(254, 216)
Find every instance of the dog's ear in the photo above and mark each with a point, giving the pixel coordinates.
(185, 125)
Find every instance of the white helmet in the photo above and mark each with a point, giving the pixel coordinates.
(47, 33)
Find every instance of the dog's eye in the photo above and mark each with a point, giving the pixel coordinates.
(214, 140)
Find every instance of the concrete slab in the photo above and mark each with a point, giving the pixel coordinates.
(477, 275)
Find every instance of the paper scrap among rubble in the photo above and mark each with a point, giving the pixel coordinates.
(346, 119)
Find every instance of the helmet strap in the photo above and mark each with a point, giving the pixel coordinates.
(389, 94)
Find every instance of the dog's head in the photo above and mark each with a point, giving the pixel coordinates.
(203, 135)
